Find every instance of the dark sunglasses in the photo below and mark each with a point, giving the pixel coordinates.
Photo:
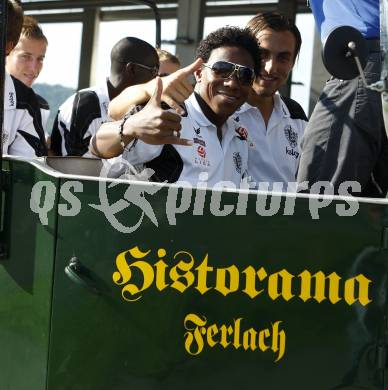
(153, 69)
(225, 70)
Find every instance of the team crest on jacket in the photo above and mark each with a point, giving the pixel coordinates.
(237, 161)
(242, 132)
(292, 136)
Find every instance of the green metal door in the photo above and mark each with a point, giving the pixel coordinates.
(194, 289)
(26, 275)
(235, 301)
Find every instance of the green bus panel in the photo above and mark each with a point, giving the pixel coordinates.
(26, 277)
(216, 302)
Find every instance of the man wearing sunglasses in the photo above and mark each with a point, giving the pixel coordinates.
(207, 140)
(133, 61)
(277, 123)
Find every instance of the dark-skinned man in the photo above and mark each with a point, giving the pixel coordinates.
(276, 123)
(133, 61)
(213, 146)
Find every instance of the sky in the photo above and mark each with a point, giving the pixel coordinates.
(63, 53)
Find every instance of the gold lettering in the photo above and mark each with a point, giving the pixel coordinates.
(199, 335)
(160, 280)
(249, 339)
(124, 274)
(264, 334)
(135, 273)
(202, 270)
(250, 280)
(234, 276)
(236, 336)
(194, 334)
(212, 330)
(225, 332)
(286, 285)
(278, 340)
(363, 290)
(188, 276)
(148, 277)
(320, 286)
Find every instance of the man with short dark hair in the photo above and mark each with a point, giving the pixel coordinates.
(278, 121)
(213, 146)
(133, 61)
(23, 133)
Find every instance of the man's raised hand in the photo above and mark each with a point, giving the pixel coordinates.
(177, 87)
(153, 125)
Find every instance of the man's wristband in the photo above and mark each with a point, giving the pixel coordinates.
(133, 142)
(122, 143)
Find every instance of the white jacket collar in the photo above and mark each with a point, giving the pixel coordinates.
(279, 106)
(195, 112)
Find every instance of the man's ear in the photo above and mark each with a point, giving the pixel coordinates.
(198, 75)
(129, 69)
